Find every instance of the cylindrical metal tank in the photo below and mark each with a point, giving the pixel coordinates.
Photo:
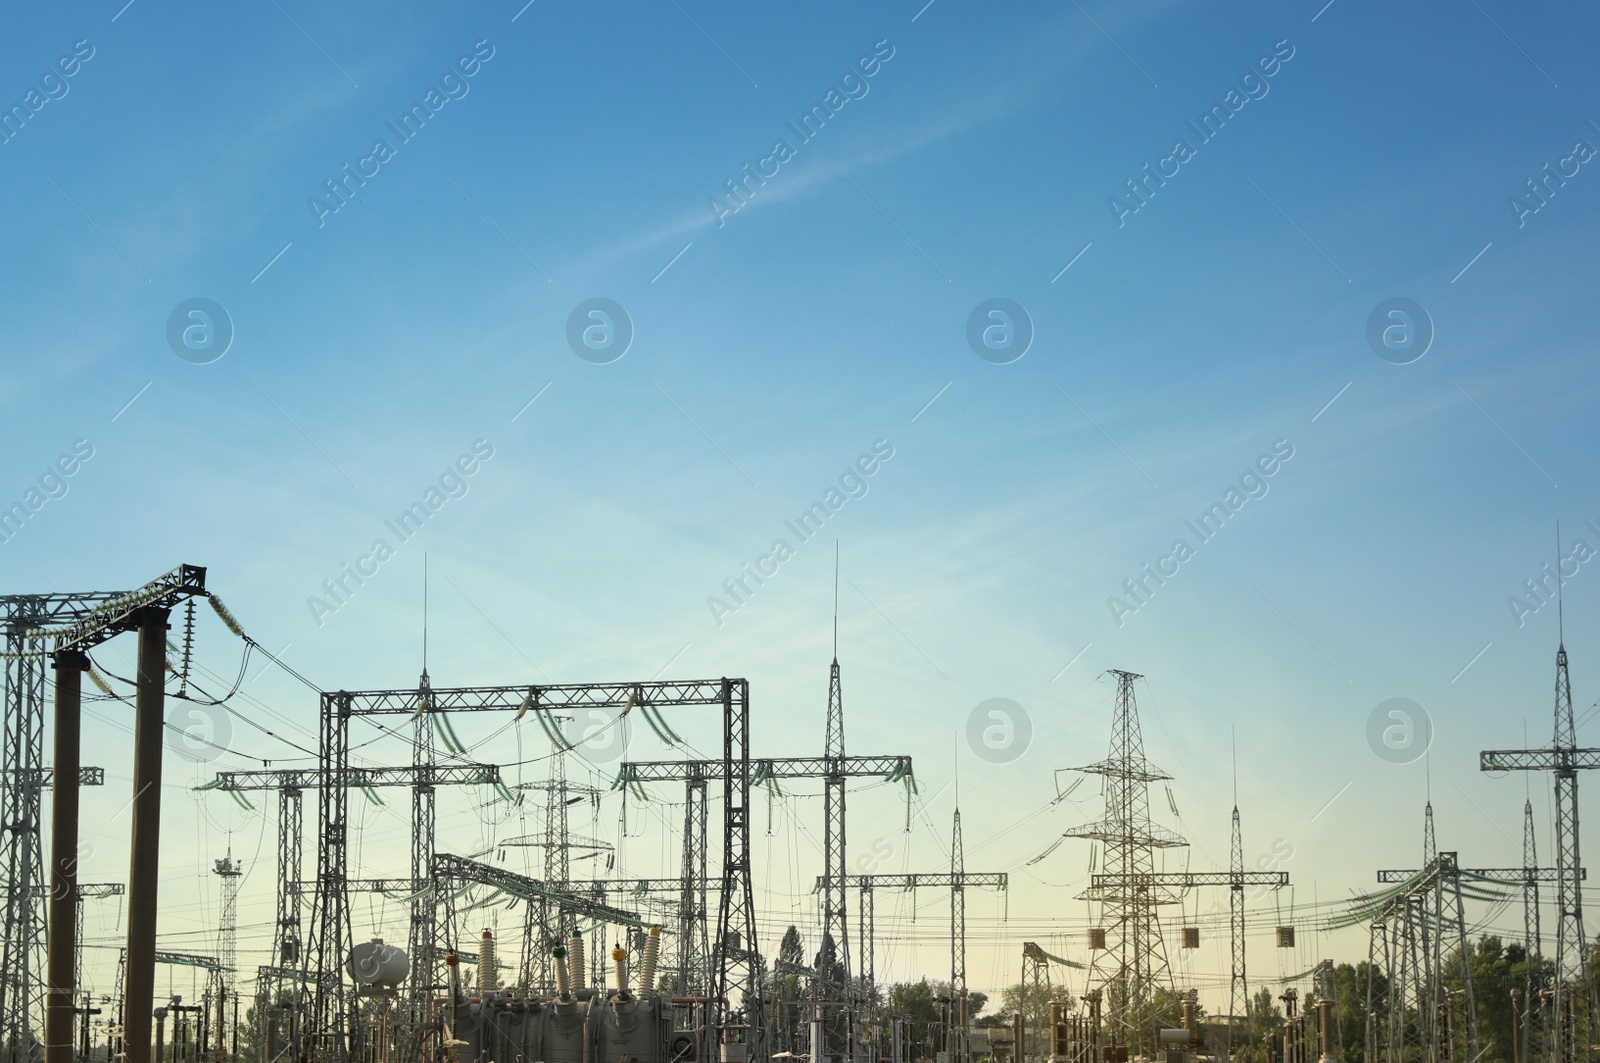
(374, 963)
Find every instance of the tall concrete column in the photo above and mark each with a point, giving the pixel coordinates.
(60, 978)
(149, 716)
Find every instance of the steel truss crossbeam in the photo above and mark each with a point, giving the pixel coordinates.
(892, 768)
(1187, 879)
(408, 775)
(1511, 875)
(1538, 759)
(46, 777)
(117, 613)
(448, 868)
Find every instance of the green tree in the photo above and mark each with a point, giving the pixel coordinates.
(914, 1005)
(1350, 1020)
(1262, 1019)
(789, 1011)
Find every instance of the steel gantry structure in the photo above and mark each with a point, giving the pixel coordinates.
(835, 768)
(738, 963)
(1529, 877)
(22, 938)
(1033, 1009)
(274, 979)
(145, 611)
(957, 880)
(696, 773)
(1411, 927)
(1564, 758)
(449, 869)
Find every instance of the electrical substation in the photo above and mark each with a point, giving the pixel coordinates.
(478, 962)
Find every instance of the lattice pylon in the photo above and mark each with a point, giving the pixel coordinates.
(1130, 897)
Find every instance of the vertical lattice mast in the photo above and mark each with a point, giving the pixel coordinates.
(227, 979)
(424, 906)
(835, 929)
(1430, 844)
(1530, 932)
(26, 881)
(1431, 929)
(694, 949)
(1239, 991)
(958, 936)
(834, 918)
(1570, 944)
(228, 926)
(544, 926)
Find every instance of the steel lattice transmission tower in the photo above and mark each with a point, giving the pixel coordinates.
(1127, 889)
(1573, 988)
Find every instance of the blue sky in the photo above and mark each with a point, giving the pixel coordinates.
(1170, 352)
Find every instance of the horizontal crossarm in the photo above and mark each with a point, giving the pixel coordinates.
(1538, 759)
(893, 768)
(409, 775)
(532, 697)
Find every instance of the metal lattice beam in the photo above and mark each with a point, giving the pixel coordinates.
(891, 768)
